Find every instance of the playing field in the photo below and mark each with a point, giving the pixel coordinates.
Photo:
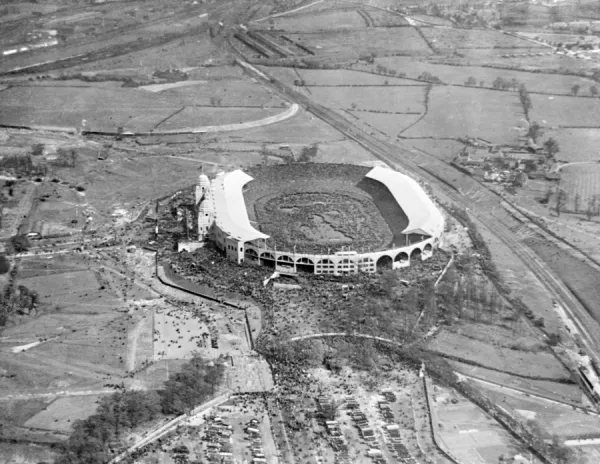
(470, 435)
(492, 115)
(556, 419)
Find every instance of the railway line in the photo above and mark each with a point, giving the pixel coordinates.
(481, 206)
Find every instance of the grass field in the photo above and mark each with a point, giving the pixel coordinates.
(345, 151)
(62, 412)
(444, 149)
(194, 117)
(535, 82)
(96, 108)
(582, 180)
(527, 363)
(492, 115)
(447, 40)
(387, 123)
(576, 144)
(565, 111)
(351, 44)
(387, 99)
(384, 19)
(321, 21)
(559, 391)
(236, 92)
(332, 77)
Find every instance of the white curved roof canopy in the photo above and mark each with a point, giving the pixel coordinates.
(423, 216)
(230, 208)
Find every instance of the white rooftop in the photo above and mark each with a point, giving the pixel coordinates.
(230, 207)
(423, 216)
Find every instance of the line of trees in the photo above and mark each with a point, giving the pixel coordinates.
(96, 439)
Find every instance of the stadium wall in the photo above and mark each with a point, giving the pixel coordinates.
(343, 262)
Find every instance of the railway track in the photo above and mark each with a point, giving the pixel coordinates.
(482, 208)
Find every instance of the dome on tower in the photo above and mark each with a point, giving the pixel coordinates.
(203, 181)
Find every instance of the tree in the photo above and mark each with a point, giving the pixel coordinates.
(4, 264)
(551, 147)
(593, 90)
(471, 81)
(561, 200)
(575, 89)
(498, 82)
(524, 97)
(577, 202)
(308, 153)
(37, 149)
(19, 243)
(534, 131)
(591, 208)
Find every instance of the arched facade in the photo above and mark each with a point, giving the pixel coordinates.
(342, 262)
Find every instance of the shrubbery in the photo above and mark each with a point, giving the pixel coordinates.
(94, 439)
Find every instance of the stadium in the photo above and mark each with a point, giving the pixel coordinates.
(318, 218)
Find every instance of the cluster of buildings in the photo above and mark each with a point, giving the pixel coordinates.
(503, 165)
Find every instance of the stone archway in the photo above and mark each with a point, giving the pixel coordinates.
(384, 262)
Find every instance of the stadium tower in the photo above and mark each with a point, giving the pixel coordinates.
(204, 206)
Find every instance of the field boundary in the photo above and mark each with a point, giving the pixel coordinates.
(430, 418)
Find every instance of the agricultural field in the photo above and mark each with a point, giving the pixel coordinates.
(409, 99)
(321, 21)
(492, 115)
(582, 181)
(347, 45)
(458, 75)
(576, 144)
(470, 435)
(447, 40)
(561, 112)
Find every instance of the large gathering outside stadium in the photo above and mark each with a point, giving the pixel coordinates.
(318, 218)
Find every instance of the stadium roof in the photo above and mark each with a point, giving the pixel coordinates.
(230, 208)
(423, 216)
